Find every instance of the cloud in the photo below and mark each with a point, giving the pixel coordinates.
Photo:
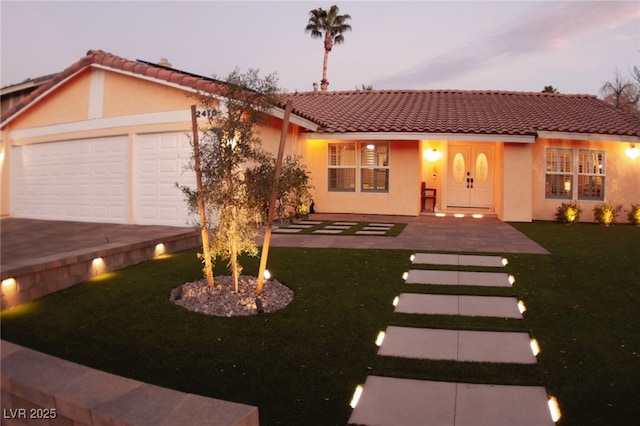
(556, 26)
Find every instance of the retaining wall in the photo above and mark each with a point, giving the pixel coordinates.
(59, 272)
(38, 389)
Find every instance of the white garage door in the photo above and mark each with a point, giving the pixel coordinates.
(160, 162)
(82, 180)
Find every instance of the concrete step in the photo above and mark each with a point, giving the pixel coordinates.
(440, 304)
(387, 401)
(457, 345)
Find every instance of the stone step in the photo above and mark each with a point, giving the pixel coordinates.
(437, 277)
(458, 260)
(457, 345)
(387, 401)
(439, 304)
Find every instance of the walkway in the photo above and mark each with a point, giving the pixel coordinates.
(424, 233)
(388, 401)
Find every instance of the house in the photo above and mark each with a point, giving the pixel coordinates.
(107, 139)
(12, 95)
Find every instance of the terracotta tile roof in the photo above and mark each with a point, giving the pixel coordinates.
(467, 112)
(419, 111)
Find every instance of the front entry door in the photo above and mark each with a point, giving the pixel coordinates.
(470, 176)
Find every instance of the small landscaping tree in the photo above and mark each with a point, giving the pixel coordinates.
(293, 196)
(229, 145)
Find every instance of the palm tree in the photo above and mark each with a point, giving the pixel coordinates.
(550, 89)
(330, 26)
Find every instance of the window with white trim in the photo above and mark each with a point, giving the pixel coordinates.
(591, 174)
(559, 173)
(342, 167)
(374, 167)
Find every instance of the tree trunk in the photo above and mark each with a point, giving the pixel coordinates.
(324, 83)
(234, 251)
(204, 231)
(274, 194)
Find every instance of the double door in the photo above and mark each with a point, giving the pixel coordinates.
(470, 176)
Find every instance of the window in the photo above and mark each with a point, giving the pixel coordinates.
(374, 171)
(342, 167)
(559, 174)
(591, 172)
(367, 162)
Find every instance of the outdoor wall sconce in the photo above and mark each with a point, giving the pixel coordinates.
(633, 152)
(432, 155)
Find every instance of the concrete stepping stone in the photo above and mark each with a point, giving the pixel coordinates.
(483, 279)
(310, 222)
(457, 259)
(300, 225)
(388, 401)
(386, 225)
(366, 232)
(287, 230)
(345, 223)
(327, 231)
(473, 306)
(341, 227)
(457, 345)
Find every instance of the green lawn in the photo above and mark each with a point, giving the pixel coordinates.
(301, 365)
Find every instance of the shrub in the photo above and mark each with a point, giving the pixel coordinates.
(568, 213)
(605, 213)
(634, 214)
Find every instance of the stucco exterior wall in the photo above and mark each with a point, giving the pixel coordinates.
(622, 178)
(516, 194)
(403, 197)
(498, 194)
(433, 172)
(124, 95)
(66, 104)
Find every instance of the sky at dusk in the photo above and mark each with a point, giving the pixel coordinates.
(574, 46)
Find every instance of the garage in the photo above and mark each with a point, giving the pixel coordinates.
(81, 180)
(161, 161)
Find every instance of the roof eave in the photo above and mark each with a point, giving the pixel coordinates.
(470, 137)
(588, 136)
(295, 119)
